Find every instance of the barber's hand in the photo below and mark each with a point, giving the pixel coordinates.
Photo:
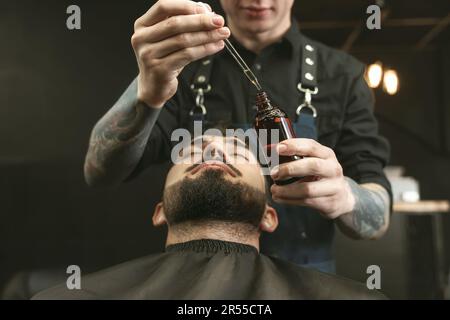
(329, 192)
(169, 36)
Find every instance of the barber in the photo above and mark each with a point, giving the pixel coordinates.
(184, 72)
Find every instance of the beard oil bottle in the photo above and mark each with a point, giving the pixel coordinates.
(270, 117)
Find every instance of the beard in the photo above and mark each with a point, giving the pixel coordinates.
(212, 198)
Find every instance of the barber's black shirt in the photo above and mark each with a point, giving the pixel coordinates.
(345, 123)
(211, 269)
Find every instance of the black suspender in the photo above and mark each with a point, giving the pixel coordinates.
(309, 67)
(308, 75)
(305, 123)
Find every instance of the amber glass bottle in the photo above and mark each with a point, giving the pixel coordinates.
(271, 117)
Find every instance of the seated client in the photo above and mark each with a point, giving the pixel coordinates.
(215, 210)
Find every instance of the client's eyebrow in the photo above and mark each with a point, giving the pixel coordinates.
(237, 145)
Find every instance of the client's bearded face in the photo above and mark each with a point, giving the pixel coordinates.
(216, 190)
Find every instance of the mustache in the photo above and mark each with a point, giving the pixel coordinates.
(212, 198)
(235, 170)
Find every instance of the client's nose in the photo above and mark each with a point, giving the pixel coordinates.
(214, 152)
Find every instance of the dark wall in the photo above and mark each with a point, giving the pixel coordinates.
(54, 85)
(416, 121)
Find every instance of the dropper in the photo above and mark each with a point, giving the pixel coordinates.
(247, 71)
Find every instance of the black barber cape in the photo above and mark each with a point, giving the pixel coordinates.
(211, 269)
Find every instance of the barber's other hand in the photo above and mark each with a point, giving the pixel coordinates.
(329, 193)
(170, 35)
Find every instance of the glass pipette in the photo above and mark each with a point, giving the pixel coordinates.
(249, 74)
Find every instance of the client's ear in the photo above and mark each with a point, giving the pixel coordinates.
(269, 221)
(159, 218)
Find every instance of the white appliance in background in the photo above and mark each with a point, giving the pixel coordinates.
(404, 189)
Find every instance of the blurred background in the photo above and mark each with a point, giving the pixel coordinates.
(55, 84)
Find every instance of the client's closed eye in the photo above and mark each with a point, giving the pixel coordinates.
(240, 155)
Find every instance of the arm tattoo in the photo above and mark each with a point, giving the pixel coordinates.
(118, 140)
(369, 214)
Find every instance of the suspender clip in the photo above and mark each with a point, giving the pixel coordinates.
(200, 99)
(308, 98)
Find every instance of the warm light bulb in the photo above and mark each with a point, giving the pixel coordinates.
(374, 75)
(391, 82)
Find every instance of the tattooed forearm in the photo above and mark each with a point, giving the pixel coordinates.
(370, 216)
(118, 140)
